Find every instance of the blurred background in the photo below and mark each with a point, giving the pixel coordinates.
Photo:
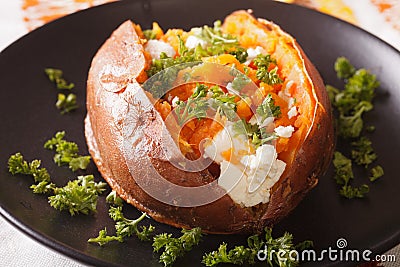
(380, 17)
(18, 17)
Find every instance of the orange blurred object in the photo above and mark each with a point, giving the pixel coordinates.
(39, 12)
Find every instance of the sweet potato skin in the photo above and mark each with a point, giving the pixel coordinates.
(116, 101)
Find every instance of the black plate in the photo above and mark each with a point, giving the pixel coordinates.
(28, 118)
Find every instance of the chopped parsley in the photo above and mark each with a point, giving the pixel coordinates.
(363, 153)
(264, 73)
(217, 43)
(17, 165)
(351, 103)
(240, 81)
(376, 172)
(355, 99)
(175, 247)
(124, 227)
(56, 76)
(149, 34)
(65, 102)
(256, 246)
(258, 136)
(78, 196)
(67, 152)
(343, 68)
(195, 107)
(344, 175)
(268, 108)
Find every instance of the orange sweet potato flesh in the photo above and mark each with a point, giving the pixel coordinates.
(116, 102)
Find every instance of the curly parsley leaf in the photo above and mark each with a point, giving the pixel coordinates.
(343, 68)
(376, 172)
(351, 103)
(355, 99)
(344, 175)
(268, 109)
(103, 239)
(56, 76)
(350, 192)
(362, 152)
(66, 103)
(195, 107)
(78, 196)
(240, 255)
(149, 34)
(67, 152)
(124, 227)
(264, 73)
(17, 165)
(176, 247)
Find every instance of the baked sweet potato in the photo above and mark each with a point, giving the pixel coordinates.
(136, 140)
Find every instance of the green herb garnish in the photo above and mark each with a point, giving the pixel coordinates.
(66, 103)
(149, 34)
(263, 73)
(56, 76)
(124, 227)
(363, 153)
(195, 107)
(78, 196)
(17, 165)
(355, 99)
(268, 109)
(351, 103)
(240, 255)
(344, 175)
(376, 172)
(176, 247)
(343, 68)
(67, 152)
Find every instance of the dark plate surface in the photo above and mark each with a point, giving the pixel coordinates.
(28, 118)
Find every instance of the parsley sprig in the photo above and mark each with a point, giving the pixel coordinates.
(65, 102)
(240, 255)
(344, 175)
(124, 227)
(351, 103)
(217, 43)
(175, 247)
(268, 108)
(195, 107)
(264, 73)
(67, 152)
(354, 100)
(78, 196)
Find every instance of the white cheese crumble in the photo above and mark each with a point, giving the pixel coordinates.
(193, 41)
(284, 131)
(174, 101)
(292, 112)
(249, 177)
(156, 47)
(252, 53)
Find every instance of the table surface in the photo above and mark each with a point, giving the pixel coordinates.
(18, 17)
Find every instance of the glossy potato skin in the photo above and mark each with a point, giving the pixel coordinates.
(115, 100)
